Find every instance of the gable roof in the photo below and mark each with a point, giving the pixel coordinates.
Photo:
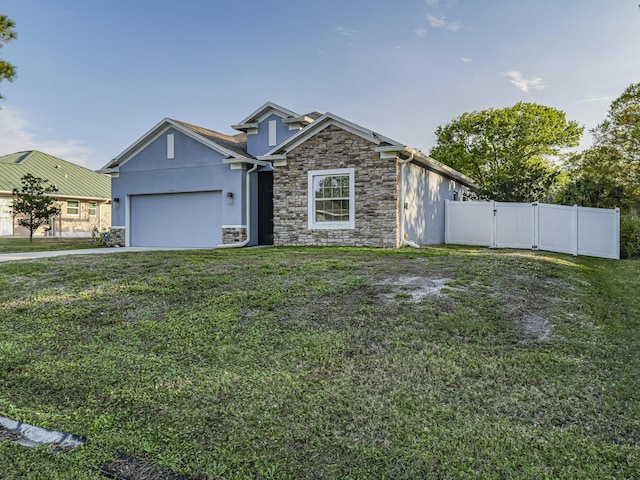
(71, 180)
(234, 147)
(320, 124)
(290, 117)
(383, 144)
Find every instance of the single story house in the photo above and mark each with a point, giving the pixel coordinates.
(84, 196)
(285, 179)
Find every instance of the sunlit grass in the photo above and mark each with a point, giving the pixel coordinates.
(315, 362)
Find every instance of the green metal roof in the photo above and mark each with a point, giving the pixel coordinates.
(71, 180)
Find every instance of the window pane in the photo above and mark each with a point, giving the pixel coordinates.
(92, 208)
(73, 207)
(332, 211)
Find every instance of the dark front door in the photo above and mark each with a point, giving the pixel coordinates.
(265, 208)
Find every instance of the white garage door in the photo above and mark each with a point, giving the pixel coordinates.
(176, 220)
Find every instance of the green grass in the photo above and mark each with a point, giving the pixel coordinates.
(325, 363)
(19, 245)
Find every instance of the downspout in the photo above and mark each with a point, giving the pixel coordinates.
(248, 239)
(402, 175)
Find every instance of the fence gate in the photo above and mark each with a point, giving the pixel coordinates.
(556, 228)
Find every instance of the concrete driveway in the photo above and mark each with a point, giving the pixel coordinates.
(8, 257)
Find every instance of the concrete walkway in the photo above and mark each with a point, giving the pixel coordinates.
(8, 257)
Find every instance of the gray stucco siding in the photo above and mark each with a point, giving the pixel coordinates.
(258, 143)
(194, 168)
(424, 195)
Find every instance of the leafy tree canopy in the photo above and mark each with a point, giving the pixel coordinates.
(32, 205)
(609, 172)
(7, 34)
(508, 151)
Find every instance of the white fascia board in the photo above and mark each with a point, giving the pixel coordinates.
(271, 158)
(236, 160)
(435, 165)
(155, 133)
(323, 122)
(109, 171)
(267, 106)
(136, 146)
(426, 161)
(246, 126)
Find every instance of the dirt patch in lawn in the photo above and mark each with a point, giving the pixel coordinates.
(127, 468)
(9, 436)
(536, 327)
(413, 288)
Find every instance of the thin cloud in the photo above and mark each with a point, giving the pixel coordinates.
(436, 22)
(16, 136)
(524, 84)
(421, 32)
(605, 98)
(441, 22)
(347, 31)
(466, 60)
(433, 3)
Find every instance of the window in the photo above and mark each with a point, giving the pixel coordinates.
(73, 207)
(331, 199)
(92, 208)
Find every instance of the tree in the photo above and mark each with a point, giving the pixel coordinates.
(612, 165)
(32, 203)
(7, 34)
(509, 152)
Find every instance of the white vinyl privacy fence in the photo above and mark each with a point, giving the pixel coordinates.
(556, 228)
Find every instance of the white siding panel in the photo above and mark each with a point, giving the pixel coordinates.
(514, 225)
(597, 230)
(555, 228)
(176, 220)
(469, 223)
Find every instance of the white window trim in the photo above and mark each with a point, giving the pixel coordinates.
(312, 201)
(95, 209)
(73, 214)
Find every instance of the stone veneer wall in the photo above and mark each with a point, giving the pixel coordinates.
(117, 236)
(376, 192)
(234, 235)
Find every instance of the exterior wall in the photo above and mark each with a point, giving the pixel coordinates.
(376, 192)
(6, 220)
(116, 236)
(65, 225)
(258, 143)
(424, 195)
(194, 168)
(233, 235)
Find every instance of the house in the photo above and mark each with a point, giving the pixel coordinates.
(285, 179)
(83, 196)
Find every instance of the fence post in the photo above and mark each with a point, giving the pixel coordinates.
(494, 236)
(536, 222)
(574, 231)
(446, 221)
(616, 235)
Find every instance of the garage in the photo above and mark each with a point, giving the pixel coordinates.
(190, 219)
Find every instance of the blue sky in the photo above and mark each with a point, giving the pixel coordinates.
(94, 76)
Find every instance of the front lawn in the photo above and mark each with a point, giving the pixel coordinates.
(19, 245)
(446, 362)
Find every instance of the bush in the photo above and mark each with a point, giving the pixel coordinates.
(629, 235)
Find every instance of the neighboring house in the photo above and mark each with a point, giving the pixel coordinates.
(287, 179)
(83, 196)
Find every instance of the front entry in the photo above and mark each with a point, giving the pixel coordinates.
(265, 208)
